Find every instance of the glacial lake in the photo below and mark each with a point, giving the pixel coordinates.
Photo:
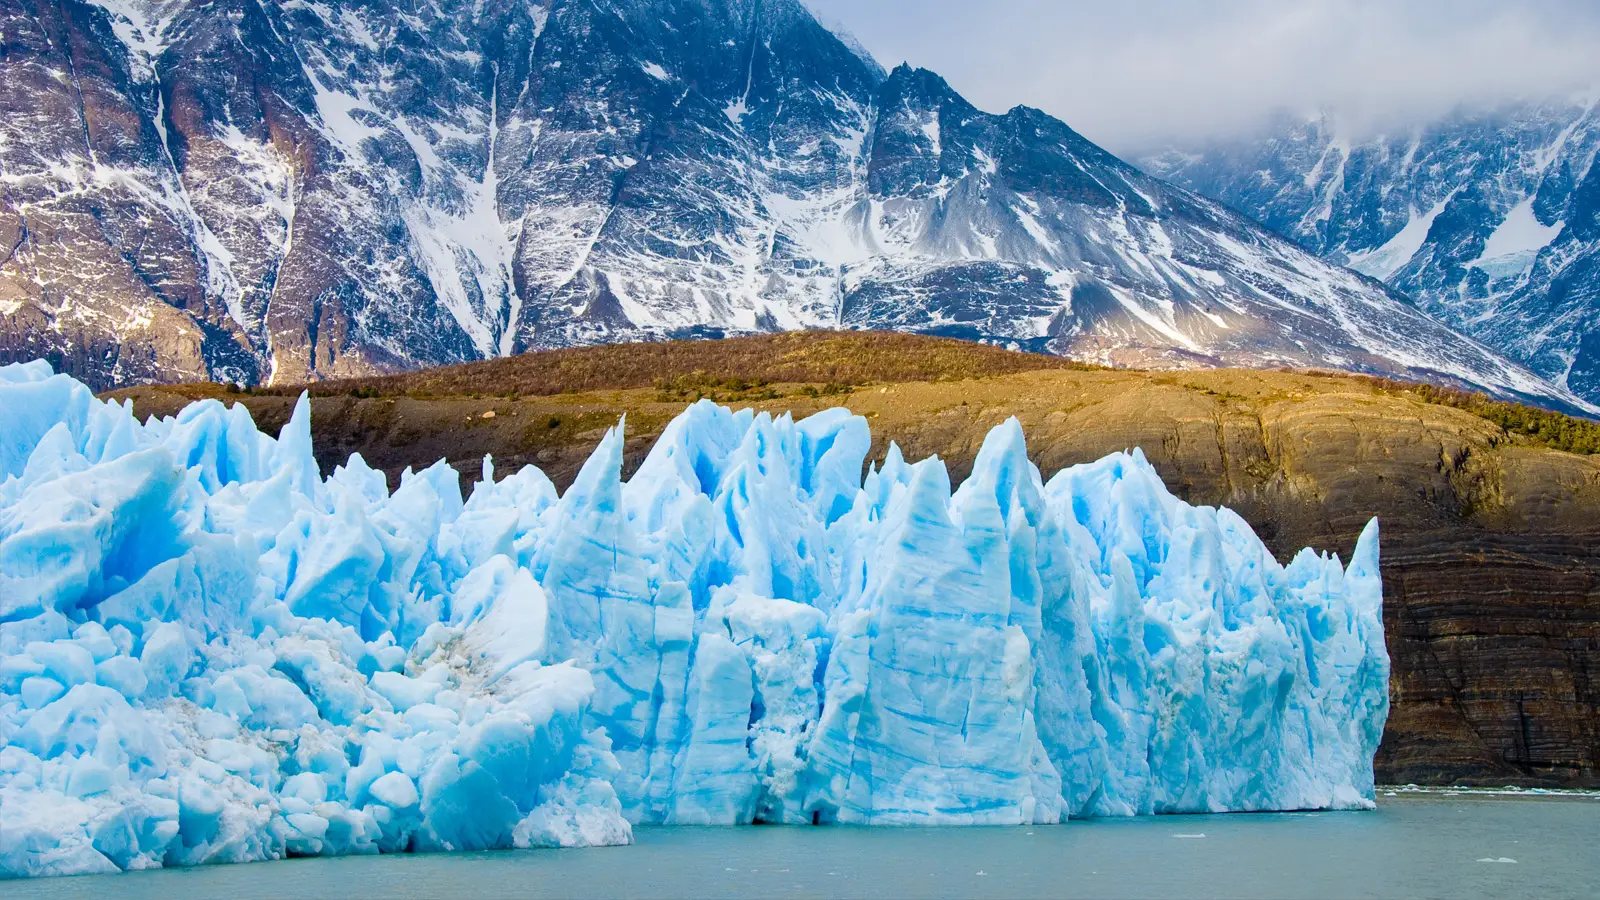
(1414, 845)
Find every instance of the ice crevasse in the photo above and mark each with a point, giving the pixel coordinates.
(211, 653)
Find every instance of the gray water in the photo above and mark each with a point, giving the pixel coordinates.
(1412, 846)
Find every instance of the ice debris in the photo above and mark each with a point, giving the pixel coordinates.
(210, 653)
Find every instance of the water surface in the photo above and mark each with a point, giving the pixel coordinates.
(1412, 846)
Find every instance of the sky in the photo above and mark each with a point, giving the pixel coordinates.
(1137, 75)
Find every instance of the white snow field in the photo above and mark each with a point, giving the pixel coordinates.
(209, 653)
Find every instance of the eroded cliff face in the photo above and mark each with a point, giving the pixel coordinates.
(1491, 547)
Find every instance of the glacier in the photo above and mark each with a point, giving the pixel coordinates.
(211, 653)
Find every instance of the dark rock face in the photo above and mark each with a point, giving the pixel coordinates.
(277, 192)
(1487, 219)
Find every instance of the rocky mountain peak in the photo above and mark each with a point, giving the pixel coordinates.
(276, 192)
(1484, 218)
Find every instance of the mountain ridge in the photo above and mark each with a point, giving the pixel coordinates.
(1488, 217)
(282, 192)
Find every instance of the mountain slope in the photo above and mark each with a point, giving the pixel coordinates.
(271, 192)
(1487, 218)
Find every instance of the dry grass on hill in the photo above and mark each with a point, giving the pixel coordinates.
(735, 365)
(1545, 428)
(805, 367)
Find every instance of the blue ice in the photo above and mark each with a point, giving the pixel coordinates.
(211, 653)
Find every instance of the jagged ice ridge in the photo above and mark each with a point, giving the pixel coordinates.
(210, 653)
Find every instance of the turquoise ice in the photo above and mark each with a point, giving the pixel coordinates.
(210, 653)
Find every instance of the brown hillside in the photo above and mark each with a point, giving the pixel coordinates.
(1491, 539)
(820, 357)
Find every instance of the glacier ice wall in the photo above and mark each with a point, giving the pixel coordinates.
(210, 653)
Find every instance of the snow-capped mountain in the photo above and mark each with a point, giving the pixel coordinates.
(276, 191)
(1490, 220)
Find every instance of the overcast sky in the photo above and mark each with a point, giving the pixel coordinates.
(1133, 73)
